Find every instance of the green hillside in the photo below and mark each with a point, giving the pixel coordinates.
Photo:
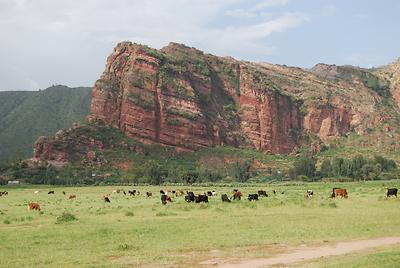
(26, 115)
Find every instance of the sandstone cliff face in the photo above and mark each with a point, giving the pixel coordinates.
(180, 97)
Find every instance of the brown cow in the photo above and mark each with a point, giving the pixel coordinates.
(339, 192)
(33, 206)
(237, 195)
(72, 196)
(165, 198)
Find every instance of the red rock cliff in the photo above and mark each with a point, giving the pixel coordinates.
(183, 98)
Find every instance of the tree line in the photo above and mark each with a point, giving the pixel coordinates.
(356, 168)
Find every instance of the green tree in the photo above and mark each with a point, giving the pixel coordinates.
(305, 166)
(337, 166)
(154, 173)
(326, 168)
(241, 170)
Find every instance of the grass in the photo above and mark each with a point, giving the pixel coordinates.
(179, 234)
(383, 258)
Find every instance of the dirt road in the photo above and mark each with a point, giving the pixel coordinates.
(308, 253)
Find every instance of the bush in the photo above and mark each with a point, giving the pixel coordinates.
(241, 170)
(66, 217)
(305, 166)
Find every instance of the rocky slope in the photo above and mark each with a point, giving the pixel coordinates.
(391, 73)
(183, 98)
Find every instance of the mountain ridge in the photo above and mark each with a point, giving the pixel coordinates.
(183, 98)
(26, 115)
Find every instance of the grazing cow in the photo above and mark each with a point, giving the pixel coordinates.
(201, 198)
(72, 196)
(262, 193)
(237, 195)
(36, 192)
(106, 199)
(274, 191)
(63, 193)
(165, 198)
(124, 192)
(132, 193)
(148, 194)
(3, 193)
(190, 197)
(339, 192)
(253, 197)
(50, 192)
(214, 193)
(33, 206)
(391, 192)
(162, 192)
(209, 193)
(309, 194)
(225, 198)
(283, 193)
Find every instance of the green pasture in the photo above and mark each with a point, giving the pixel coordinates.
(139, 231)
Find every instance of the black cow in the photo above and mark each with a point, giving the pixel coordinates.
(253, 197)
(106, 199)
(209, 193)
(391, 192)
(201, 198)
(63, 192)
(225, 198)
(132, 193)
(162, 192)
(50, 192)
(190, 197)
(124, 192)
(148, 194)
(163, 199)
(262, 193)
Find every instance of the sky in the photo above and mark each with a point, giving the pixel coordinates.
(48, 42)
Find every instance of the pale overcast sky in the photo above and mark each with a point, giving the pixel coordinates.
(45, 42)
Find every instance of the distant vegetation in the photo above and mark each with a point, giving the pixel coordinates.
(154, 164)
(356, 168)
(26, 115)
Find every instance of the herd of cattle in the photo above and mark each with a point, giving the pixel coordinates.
(167, 196)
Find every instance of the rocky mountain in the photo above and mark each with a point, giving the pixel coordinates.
(26, 115)
(391, 73)
(182, 98)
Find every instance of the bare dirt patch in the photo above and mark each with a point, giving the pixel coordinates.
(305, 253)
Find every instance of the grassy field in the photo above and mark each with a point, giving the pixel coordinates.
(139, 231)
